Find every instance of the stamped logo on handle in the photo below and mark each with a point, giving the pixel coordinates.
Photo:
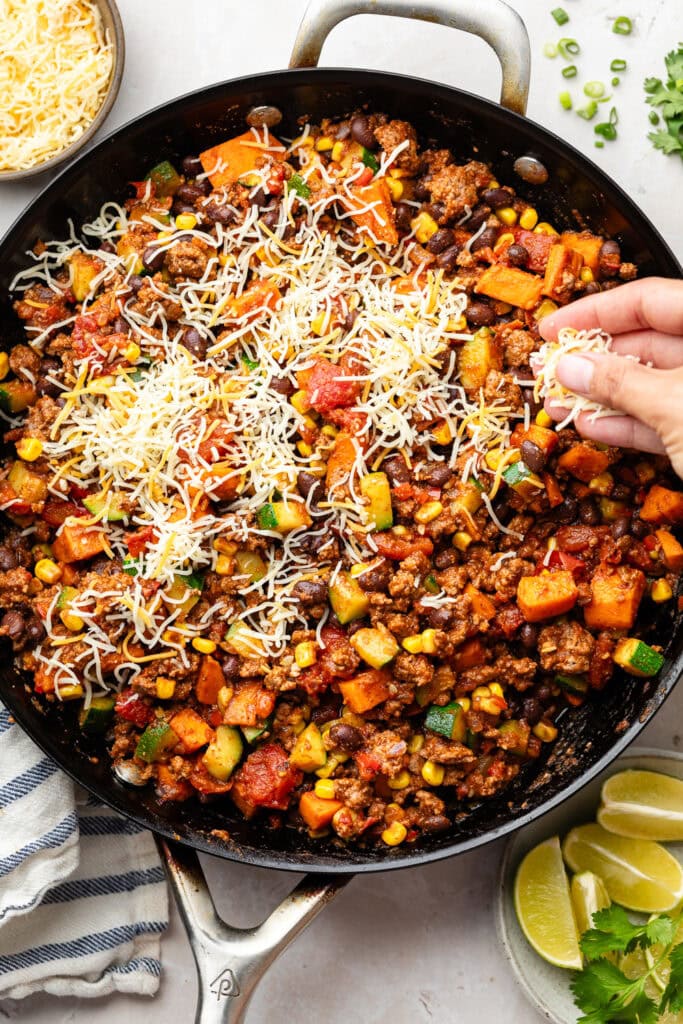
(225, 985)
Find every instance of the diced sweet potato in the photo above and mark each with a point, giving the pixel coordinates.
(470, 655)
(561, 269)
(616, 592)
(340, 461)
(379, 220)
(482, 606)
(235, 159)
(546, 595)
(508, 284)
(545, 439)
(258, 295)
(170, 787)
(317, 812)
(191, 729)
(553, 490)
(588, 246)
(672, 551)
(366, 690)
(209, 681)
(76, 543)
(477, 357)
(584, 462)
(250, 705)
(662, 506)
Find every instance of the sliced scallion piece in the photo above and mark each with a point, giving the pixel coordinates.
(550, 50)
(570, 71)
(589, 111)
(565, 100)
(616, 81)
(594, 90)
(560, 15)
(568, 47)
(618, 65)
(623, 26)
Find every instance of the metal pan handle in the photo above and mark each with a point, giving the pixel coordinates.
(231, 961)
(492, 20)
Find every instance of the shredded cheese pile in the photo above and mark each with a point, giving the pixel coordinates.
(55, 66)
(547, 385)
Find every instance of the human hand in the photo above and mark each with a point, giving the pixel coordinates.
(645, 319)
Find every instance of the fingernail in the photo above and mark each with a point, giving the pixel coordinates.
(576, 373)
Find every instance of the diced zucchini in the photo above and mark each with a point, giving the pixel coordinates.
(155, 741)
(309, 753)
(166, 179)
(96, 718)
(472, 740)
(369, 159)
(611, 510)
(132, 566)
(223, 753)
(182, 594)
(239, 640)
(16, 395)
(517, 737)
(431, 585)
(637, 658)
(252, 732)
(572, 684)
(250, 563)
(476, 358)
(519, 477)
(348, 600)
(84, 270)
(375, 487)
(448, 721)
(375, 646)
(66, 596)
(283, 516)
(96, 504)
(26, 483)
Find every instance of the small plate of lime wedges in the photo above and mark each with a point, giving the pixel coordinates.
(614, 850)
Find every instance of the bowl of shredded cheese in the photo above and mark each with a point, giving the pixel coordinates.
(61, 63)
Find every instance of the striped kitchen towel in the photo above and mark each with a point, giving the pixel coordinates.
(83, 898)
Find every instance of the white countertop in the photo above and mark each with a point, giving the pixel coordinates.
(417, 945)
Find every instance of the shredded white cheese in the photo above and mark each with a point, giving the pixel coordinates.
(569, 342)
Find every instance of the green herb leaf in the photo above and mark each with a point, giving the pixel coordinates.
(668, 97)
(674, 63)
(297, 184)
(612, 930)
(667, 143)
(672, 998)
(369, 159)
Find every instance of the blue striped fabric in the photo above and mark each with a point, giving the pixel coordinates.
(58, 846)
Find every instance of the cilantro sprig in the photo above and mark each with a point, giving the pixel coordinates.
(667, 97)
(603, 992)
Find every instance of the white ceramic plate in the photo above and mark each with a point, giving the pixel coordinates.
(547, 987)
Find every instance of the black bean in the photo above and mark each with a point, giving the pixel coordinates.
(621, 527)
(309, 485)
(448, 259)
(421, 190)
(192, 340)
(264, 116)
(440, 618)
(435, 210)
(35, 630)
(282, 386)
(271, 218)
(310, 592)
(259, 198)
(362, 133)
(435, 823)
(377, 579)
(531, 170)
(190, 194)
(517, 255)
(532, 710)
(542, 693)
(531, 400)
(107, 246)
(192, 166)
(477, 217)
(346, 737)
(343, 131)
(350, 319)
(609, 258)
(497, 197)
(533, 456)
(403, 214)
(566, 512)
(446, 558)
(440, 240)
(135, 283)
(13, 623)
(502, 510)
(620, 492)
(639, 528)
(8, 559)
(121, 325)
(438, 474)
(220, 214)
(479, 314)
(592, 288)
(396, 469)
(48, 368)
(230, 664)
(153, 258)
(326, 712)
(487, 239)
(588, 513)
(528, 634)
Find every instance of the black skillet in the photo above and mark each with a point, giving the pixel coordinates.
(590, 736)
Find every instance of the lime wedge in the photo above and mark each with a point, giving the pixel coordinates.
(543, 906)
(588, 896)
(643, 805)
(639, 874)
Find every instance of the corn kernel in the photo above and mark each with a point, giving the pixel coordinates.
(507, 215)
(224, 565)
(551, 544)
(494, 455)
(400, 780)
(29, 449)
(227, 259)
(545, 732)
(324, 144)
(319, 324)
(333, 761)
(400, 531)
(329, 431)
(101, 385)
(601, 484)
(165, 687)
(47, 571)
(545, 309)
(586, 275)
(226, 547)
(462, 540)
(429, 511)
(324, 788)
(337, 151)
(395, 186)
(398, 172)
(132, 352)
(433, 773)
(645, 472)
(456, 323)
(494, 183)
(424, 227)
(304, 449)
(185, 221)
(544, 229)
(428, 641)
(490, 705)
(70, 691)
(4, 365)
(465, 703)
(442, 433)
(413, 644)
(394, 834)
(224, 696)
(203, 645)
(358, 569)
(300, 402)
(661, 591)
(164, 236)
(416, 743)
(496, 689)
(74, 623)
(528, 219)
(505, 239)
(481, 691)
(543, 420)
(305, 654)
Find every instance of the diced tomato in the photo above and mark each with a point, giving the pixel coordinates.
(509, 620)
(56, 512)
(327, 386)
(79, 493)
(650, 542)
(276, 178)
(353, 421)
(313, 681)
(563, 560)
(334, 639)
(398, 548)
(368, 765)
(11, 503)
(143, 189)
(266, 779)
(216, 444)
(130, 705)
(538, 246)
(138, 541)
(365, 177)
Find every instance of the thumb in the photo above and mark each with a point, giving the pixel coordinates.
(620, 383)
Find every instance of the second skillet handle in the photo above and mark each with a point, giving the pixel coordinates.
(492, 20)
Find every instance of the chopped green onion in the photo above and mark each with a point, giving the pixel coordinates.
(606, 130)
(568, 47)
(599, 145)
(570, 71)
(560, 15)
(594, 90)
(589, 111)
(613, 116)
(618, 65)
(369, 159)
(654, 117)
(550, 50)
(622, 26)
(565, 100)
(616, 81)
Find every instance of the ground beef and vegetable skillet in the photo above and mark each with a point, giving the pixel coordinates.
(355, 594)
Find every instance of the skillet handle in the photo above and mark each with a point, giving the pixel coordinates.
(491, 20)
(231, 961)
